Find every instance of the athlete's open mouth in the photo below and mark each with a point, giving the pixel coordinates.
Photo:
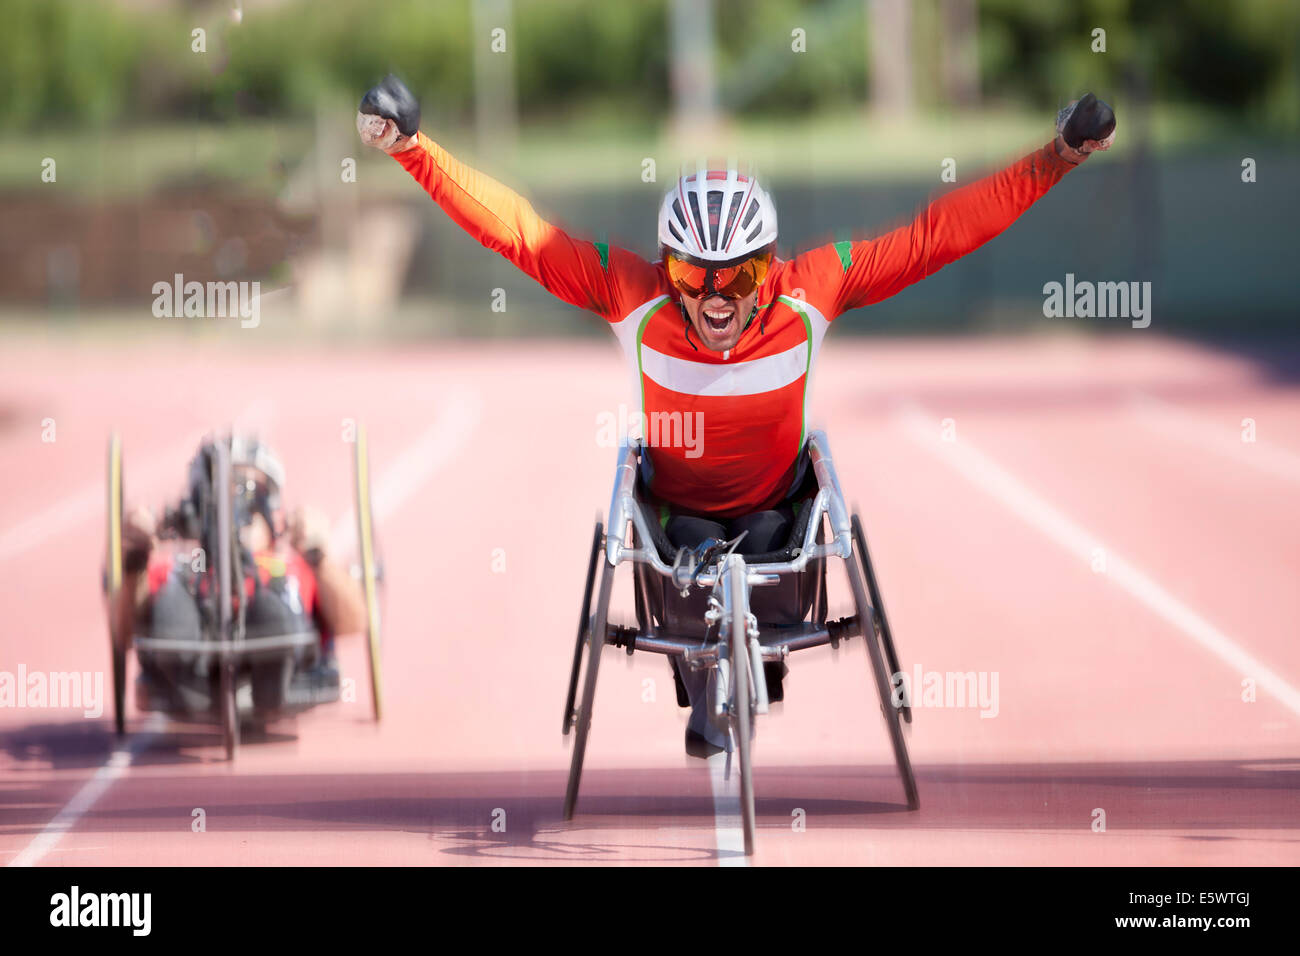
(719, 319)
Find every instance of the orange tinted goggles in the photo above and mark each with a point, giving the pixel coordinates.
(733, 281)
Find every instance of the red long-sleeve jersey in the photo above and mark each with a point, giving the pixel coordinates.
(748, 403)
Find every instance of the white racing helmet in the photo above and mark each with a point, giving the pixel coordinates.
(248, 451)
(716, 215)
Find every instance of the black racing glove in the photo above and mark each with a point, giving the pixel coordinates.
(389, 116)
(1086, 125)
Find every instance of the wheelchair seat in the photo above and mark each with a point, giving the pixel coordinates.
(803, 491)
(780, 605)
(668, 551)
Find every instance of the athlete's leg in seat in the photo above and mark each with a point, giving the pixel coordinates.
(765, 530)
(686, 531)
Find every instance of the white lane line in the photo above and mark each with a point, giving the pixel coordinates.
(1223, 438)
(436, 446)
(727, 826)
(89, 794)
(88, 502)
(1022, 501)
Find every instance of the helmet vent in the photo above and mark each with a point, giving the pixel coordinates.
(736, 200)
(694, 201)
(715, 218)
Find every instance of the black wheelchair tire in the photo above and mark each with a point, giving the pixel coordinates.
(582, 723)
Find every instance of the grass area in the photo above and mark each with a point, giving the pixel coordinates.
(562, 151)
(256, 156)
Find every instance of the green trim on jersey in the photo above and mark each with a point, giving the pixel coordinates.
(845, 251)
(799, 307)
(640, 334)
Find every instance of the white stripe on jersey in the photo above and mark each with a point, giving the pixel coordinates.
(733, 378)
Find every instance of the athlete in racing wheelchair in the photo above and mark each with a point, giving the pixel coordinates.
(294, 600)
(722, 332)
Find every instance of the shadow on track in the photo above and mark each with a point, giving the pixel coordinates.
(89, 743)
(459, 808)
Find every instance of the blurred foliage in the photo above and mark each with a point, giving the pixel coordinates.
(78, 62)
(1240, 56)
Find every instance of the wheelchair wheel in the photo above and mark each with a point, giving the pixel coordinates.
(113, 581)
(878, 603)
(369, 564)
(226, 660)
(893, 719)
(742, 698)
(596, 627)
(229, 710)
(598, 539)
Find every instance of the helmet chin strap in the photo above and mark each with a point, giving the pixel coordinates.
(686, 319)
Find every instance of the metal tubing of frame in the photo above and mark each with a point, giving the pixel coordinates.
(622, 505)
(814, 638)
(760, 678)
(824, 468)
(829, 502)
(694, 652)
(625, 509)
(249, 645)
(735, 597)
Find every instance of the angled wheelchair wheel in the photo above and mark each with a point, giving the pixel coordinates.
(878, 604)
(225, 583)
(369, 568)
(229, 710)
(884, 685)
(742, 699)
(595, 640)
(584, 620)
(113, 572)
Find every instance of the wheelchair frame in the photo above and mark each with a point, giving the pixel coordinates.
(734, 644)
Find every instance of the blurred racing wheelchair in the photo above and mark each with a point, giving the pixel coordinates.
(710, 608)
(217, 645)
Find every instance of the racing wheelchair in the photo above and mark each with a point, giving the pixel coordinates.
(213, 663)
(711, 608)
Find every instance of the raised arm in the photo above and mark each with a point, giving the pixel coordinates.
(959, 222)
(577, 271)
(504, 221)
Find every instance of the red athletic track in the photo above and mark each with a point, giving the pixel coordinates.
(1104, 702)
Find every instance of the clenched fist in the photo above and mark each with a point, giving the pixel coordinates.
(1085, 126)
(389, 116)
(139, 536)
(309, 533)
